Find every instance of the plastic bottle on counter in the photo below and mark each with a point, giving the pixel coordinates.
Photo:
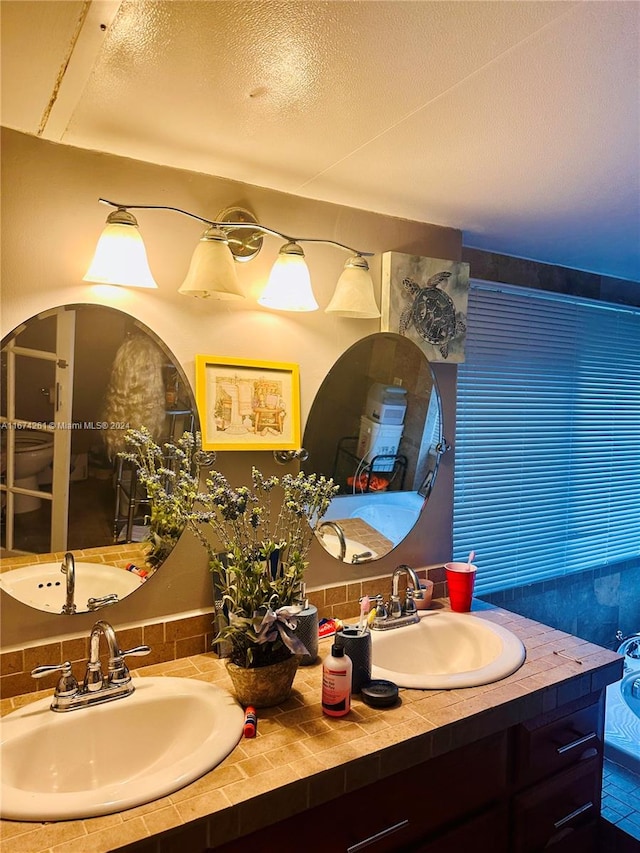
(336, 683)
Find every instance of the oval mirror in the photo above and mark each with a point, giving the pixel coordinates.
(375, 426)
(74, 379)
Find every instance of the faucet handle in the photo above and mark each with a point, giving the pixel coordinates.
(395, 610)
(118, 670)
(363, 557)
(409, 604)
(103, 601)
(67, 684)
(136, 651)
(381, 610)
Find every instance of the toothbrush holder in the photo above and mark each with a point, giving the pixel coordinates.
(357, 646)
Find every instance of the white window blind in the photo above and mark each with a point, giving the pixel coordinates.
(547, 474)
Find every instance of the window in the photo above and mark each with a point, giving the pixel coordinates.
(547, 477)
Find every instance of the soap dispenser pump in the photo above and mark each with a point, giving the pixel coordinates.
(336, 683)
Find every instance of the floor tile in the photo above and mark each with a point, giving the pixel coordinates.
(630, 828)
(621, 798)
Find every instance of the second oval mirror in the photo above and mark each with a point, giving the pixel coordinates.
(375, 426)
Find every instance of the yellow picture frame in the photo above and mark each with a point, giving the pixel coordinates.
(247, 404)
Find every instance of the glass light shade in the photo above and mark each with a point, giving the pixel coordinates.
(289, 285)
(212, 272)
(120, 256)
(354, 296)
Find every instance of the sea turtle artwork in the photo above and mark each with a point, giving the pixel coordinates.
(431, 312)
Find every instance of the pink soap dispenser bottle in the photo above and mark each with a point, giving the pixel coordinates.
(336, 683)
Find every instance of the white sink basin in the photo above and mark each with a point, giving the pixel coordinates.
(43, 585)
(332, 545)
(110, 757)
(445, 650)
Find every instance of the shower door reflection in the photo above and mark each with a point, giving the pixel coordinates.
(29, 447)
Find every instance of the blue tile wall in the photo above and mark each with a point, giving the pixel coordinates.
(592, 605)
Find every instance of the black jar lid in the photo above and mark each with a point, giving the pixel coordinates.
(379, 693)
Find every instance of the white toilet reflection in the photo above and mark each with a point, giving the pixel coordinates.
(34, 453)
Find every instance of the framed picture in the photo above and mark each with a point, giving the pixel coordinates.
(425, 299)
(248, 405)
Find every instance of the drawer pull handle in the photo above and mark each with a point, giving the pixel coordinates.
(576, 743)
(563, 821)
(373, 838)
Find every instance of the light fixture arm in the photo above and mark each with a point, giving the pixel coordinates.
(254, 226)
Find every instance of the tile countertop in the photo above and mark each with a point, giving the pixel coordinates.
(301, 758)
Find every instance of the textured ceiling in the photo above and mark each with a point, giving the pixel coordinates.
(517, 122)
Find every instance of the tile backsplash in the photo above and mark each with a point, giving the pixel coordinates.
(593, 604)
(171, 639)
(113, 555)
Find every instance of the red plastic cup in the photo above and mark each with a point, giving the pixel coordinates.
(461, 578)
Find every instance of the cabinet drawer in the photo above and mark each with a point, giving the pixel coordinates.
(556, 810)
(547, 745)
(424, 799)
(487, 833)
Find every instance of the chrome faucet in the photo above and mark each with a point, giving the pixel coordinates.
(620, 637)
(68, 568)
(339, 533)
(397, 614)
(94, 678)
(411, 576)
(96, 687)
(629, 647)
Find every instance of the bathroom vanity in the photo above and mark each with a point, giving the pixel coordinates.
(530, 786)
(507, 766)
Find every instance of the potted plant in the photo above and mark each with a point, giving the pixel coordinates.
(257, 538)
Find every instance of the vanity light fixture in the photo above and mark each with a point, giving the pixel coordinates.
(289, 285)
(234, 235)
(120, 256)
(354, 296)
(212, 271)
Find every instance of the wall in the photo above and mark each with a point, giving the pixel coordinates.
(523, 272)
(51, 222)
(592, 604)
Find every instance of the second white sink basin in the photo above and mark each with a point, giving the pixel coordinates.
(110, 757)
(446, 650)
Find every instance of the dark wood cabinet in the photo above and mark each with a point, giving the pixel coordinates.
(530, 788)
(558, 779)
(555, 741)
(410, 810)
(551, 812)
(486, 833)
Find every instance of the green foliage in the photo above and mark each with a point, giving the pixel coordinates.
(170, 475)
